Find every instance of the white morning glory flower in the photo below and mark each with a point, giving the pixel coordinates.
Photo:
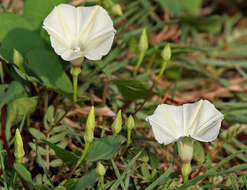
(78, 32)
(200, 121)
(195, 121)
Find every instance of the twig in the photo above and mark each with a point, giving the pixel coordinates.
(146, 99)
(5, 142)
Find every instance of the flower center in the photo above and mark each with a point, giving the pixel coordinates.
(77, 49)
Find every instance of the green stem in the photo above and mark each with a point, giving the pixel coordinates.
(138, 64)
(75, 71)
(163, 67)
(128, 137)
(102, 182)
(75, 82)
(81, 158)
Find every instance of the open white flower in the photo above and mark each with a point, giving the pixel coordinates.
(78, 32)
(200, 121)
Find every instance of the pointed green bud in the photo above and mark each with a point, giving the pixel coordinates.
(185, 149)
(130, 124)
(186, 169)
(100, 170)
(90, 125)
(18, 146)
(143, 43)
(117, 124)
(117, 10)
(18, 60)
(166, 53)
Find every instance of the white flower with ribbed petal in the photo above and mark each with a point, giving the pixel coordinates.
(78, 32)
(200, 121)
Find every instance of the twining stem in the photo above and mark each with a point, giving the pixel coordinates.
(81, 158)
(102, 182)
(138, 64)
(163, 67)
(75, 71)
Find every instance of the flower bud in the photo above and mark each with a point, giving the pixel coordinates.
(166, 53)
(18, 60)
(130, 124)
(90, 125)
(185, 149)
(100, 170)
(143, 43)
(117, 10)
(117, 124)
(18, 146)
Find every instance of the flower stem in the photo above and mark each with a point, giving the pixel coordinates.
(138, 64)
(102, 182)
(75, 71)
(81, 158)
(163, 67)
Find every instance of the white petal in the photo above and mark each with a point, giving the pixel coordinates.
(65, 53)
(99, 46)
(62, 20)
(166, 123)
(191, 113)
(207, 122)
(97, 33)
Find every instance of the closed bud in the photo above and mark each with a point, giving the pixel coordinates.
(166, 53)
(90, 125)
(117, 10)
(18, 146)
(130, 124)
(100, 170)
(117, 124)
(143, 43)
(18, 60)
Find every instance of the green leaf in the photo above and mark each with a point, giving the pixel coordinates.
(86, 181)
(37, 134)
(58, 137)
(56, 163)
(199, 154)
(132, 89)
(11, 21)
(46, 66)
(35, 11)
(23, 172)
(17, 110)
(64, 155)
(104, 148)
(15, 89)
(180, 8)
(21, 39)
